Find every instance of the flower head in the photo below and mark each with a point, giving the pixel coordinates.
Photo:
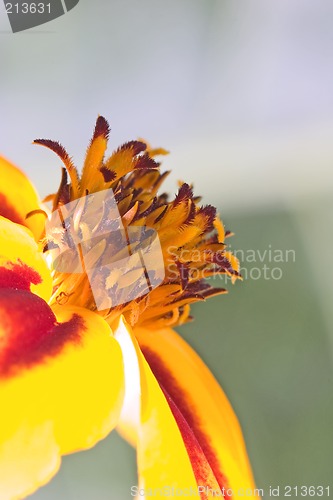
(191, 236)
(86, 307)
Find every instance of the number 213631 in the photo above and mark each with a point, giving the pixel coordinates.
(306, 491)
(28, 8)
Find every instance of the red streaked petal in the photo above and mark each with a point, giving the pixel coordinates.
(201, 468)
(202, 403)
(29, 331)
(62, 381)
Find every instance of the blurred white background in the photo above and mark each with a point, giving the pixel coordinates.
(239, 92)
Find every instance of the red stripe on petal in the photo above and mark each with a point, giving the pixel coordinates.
(178, 396)
(202, 471)
(19, 276)
(8, 211)
(29, 332)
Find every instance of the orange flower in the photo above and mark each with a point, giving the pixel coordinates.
(86, 343)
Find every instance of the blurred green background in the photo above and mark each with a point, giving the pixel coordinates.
(241, 94)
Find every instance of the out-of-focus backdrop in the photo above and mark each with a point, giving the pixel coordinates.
(241, 94)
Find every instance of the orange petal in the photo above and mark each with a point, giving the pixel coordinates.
(91, 178)
(18, 197)
(202, 403)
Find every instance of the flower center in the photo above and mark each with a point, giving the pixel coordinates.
(119, 247)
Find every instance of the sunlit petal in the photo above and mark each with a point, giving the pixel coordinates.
(163, 460)
(203, 404)
(61, 381)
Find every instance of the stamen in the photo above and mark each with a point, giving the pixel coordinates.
(115, 229)
(71, 169)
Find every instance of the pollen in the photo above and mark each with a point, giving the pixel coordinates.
(118, 246)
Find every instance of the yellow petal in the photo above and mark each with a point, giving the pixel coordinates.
(18, 197)
(163, 461)
(61, 380)
(88, 381)
(203, 404)
(19, 253)
(29, 458)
